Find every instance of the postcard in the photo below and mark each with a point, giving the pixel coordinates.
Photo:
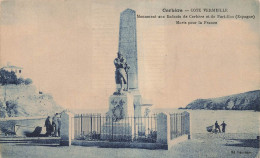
(170, 78)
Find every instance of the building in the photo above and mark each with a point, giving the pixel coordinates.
(17, 70)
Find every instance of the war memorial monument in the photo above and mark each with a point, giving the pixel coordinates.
(126, 100)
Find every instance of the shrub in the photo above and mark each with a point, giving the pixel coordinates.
(28, 81)
(7, 77)
(1, 104)
(11, 108)
(150, 138)
(3, 113)
(90, 136)
(20, 81)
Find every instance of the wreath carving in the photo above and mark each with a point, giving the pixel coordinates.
(118, 110)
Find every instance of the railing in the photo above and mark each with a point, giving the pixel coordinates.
(87, 124)
(97, 127)
(177, 124)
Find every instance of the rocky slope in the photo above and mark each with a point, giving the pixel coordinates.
(243, 101)
(24, 100)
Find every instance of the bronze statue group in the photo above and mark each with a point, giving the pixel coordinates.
(53, 127)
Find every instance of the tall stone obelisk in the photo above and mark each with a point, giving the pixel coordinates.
(128, 45)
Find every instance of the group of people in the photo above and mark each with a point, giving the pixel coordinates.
(53, 127)
(217, 127)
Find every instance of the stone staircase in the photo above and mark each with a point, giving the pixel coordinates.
(32, 140)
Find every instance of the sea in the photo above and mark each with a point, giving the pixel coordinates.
(237, 121)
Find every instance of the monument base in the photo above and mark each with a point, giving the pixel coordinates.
(120, 106)
(122, 130)
(118, 126)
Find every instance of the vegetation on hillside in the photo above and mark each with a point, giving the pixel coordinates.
(243, 101)
(19, 98)
(9, 110)
(7, 77)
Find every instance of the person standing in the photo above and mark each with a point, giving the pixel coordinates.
(217, 126)
(59, 125)
(55, 125)
(223, 127)
(48, 126)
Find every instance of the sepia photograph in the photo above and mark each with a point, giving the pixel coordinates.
(132, 79)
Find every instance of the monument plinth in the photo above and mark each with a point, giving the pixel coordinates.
(118, 126)
(121, 106)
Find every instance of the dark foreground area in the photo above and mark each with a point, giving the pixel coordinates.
(201, 145)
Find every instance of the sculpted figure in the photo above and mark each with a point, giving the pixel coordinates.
(121, 71)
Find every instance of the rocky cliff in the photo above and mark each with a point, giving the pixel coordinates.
(25, 100)
(243, 101)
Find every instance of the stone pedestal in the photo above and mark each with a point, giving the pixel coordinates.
(140, 107)
(118, 126)
(137, 103)
(120, 106)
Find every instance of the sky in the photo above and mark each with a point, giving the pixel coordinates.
(67, 47)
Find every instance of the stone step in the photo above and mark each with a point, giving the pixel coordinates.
(38, 140)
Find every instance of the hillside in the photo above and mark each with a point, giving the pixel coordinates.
(243, 101)
(24, 100)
